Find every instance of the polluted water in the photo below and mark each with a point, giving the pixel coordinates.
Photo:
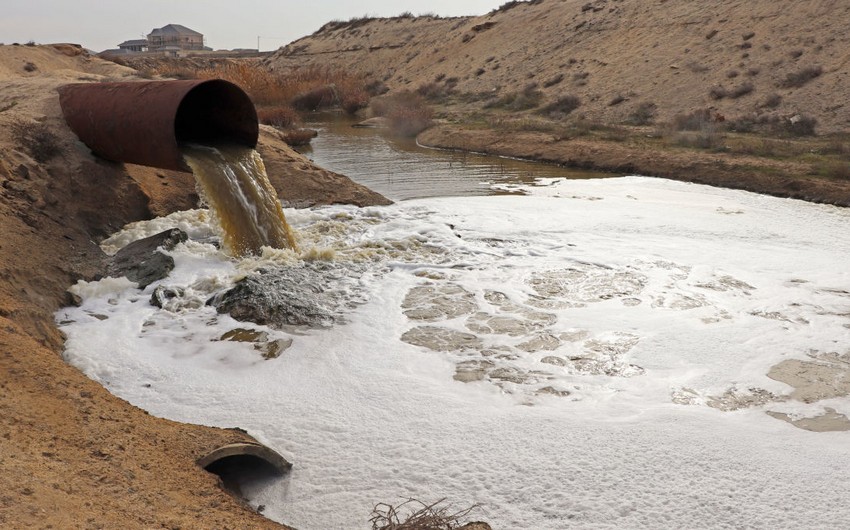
(598, 354)
(232, 181)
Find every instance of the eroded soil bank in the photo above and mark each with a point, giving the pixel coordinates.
(73, 455)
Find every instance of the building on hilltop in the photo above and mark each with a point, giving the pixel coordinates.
(174, 38)
(134, 46)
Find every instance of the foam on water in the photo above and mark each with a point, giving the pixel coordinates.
(560, 358)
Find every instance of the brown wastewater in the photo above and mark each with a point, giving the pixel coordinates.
(232, 181)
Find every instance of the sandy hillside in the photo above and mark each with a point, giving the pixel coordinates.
(743, 59)
(73, 455)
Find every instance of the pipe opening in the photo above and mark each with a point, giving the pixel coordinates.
(216, 112)
(243, 464)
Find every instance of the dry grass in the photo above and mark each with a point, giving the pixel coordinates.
(408, 112)
(800, 78)
(421, 516)
(296, 137)
(41, 143)
(278, 97)
(280, 116)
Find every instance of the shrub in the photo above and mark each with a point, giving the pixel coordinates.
(800, 125)
(561, 107)
(528, 98)
(407, 112)
(707, 138)
(41, 143)
(553, 81)
(421, 517)
(354, 100)
(800, 78)
(643, 114)
(720, 92)
(296, 137)
(280, 116)
(321, 97)
(435, 91)
(835, 169)
(30, 67)
(692, 121)
(797, 125)
(772, 101)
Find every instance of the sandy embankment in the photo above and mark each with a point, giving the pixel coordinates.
(73, 455)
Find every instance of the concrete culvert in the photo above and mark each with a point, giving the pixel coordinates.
(242, 463)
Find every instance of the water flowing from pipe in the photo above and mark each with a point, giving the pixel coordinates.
(232, 181)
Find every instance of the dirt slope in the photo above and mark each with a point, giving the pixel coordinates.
(741, 58)
(72, 455)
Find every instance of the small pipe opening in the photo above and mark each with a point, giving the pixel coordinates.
(242, 464)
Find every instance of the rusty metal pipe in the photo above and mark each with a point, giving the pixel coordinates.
(145, 122)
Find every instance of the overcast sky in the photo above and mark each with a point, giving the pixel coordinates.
(102, 24)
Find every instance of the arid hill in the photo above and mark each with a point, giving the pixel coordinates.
(623, 59)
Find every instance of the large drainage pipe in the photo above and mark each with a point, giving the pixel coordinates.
(145, 122)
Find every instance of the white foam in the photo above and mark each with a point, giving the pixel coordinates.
(702, 289)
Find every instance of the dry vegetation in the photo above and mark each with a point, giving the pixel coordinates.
(280, 99)
(416, 515)
(408, 112)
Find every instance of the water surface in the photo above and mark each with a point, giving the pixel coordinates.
(400, 169)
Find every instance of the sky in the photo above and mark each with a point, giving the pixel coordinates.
(100, 25)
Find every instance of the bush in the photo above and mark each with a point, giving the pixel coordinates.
(435, 91)
(772, 101)
(407, 112)
(41, 143)
(561, 107)
(553, 81)
(798, 79)
(707, 138)
(643, 114)
(835, 169)
(529, 98)
(720, 92)
(800, 125)
(280, 116)
(422, 517)
(693, 121)
(296, 137)
(322, 97)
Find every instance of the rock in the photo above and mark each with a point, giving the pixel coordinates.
(163, 294)
(141, 261)
(280, 297)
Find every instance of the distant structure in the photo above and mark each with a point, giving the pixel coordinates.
(174, 38)
(134, 46)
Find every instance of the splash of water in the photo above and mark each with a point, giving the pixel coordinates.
(232, 181)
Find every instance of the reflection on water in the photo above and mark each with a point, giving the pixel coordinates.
(400, 169)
